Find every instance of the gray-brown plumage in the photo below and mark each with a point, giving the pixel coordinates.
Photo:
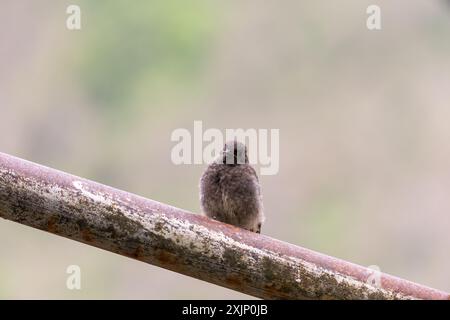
(230, 190)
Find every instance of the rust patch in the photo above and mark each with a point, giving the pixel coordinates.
(139, 252)
(51, 224)
(233, 281)
(86, 235)
(166, 258)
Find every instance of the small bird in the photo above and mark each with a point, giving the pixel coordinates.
(230, 190)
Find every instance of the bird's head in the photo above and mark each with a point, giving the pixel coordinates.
(234, 153)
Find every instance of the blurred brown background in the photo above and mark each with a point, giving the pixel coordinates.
(363, 118)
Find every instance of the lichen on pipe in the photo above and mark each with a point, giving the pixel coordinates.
(184, 242)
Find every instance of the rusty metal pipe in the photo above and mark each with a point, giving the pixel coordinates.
(184, 242)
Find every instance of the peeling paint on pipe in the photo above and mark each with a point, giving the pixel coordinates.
(187, 243)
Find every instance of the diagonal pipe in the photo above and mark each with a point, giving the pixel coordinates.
(187, 243)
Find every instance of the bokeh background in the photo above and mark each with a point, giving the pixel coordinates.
(364, 121)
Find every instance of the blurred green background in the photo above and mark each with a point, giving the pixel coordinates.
(363, 118)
